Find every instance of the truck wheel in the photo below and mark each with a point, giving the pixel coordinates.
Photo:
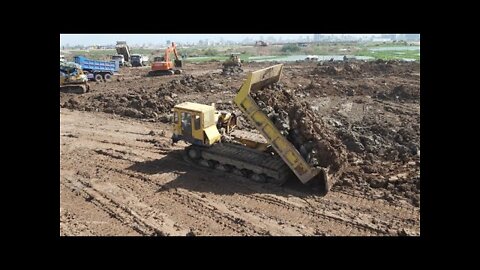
(107, 77)
(98, 77)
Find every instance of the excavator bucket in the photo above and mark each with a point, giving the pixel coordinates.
(178, 63)
(313, 176)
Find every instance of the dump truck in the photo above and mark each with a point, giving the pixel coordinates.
(119, 58)
(97, 70)
(266, 156)
(139, 60)
(123, 49)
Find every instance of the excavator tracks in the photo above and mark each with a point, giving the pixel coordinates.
(237, 159)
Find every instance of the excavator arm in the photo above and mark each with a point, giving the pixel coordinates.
(172, 48)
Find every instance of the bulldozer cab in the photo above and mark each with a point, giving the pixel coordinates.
(195, 123)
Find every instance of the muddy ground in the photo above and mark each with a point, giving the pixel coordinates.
(121, 176)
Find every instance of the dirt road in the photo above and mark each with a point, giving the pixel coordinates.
(121, 176)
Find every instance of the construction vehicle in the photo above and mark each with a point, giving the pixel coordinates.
(120, 58)
(232, 61)
(163, 66)
(97, 70)
(215, 143)
(72, 78)
(123, 49)
(311, 58)
(138, 60)
(261, 43)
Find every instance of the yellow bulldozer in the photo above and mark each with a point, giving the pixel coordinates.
(73, 79)
(266, 156)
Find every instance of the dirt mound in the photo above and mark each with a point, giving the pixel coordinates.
(402, 92)
(371, 155)
(382, 157)
(144, 102)
(231, 70)
(192, 84)
(136, 104)
(299, 124)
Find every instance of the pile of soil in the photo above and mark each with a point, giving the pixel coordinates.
(192, 84)
(373, 156)
(300, 125)
(135, 104)
(231, 70)
(382, 158)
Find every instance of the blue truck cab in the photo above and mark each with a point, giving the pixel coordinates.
(97, 70)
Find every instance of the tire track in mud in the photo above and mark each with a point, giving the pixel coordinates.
(401, 211)
(200, 204)
(216, 216)
(194, 202)
(349, 226)
(336, 220)
(116, 210)
(403, 215)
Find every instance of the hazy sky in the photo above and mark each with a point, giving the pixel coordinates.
(109, 39)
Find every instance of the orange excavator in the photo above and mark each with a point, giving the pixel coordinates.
(162, 65)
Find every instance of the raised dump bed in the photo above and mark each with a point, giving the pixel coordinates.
(314, 176)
